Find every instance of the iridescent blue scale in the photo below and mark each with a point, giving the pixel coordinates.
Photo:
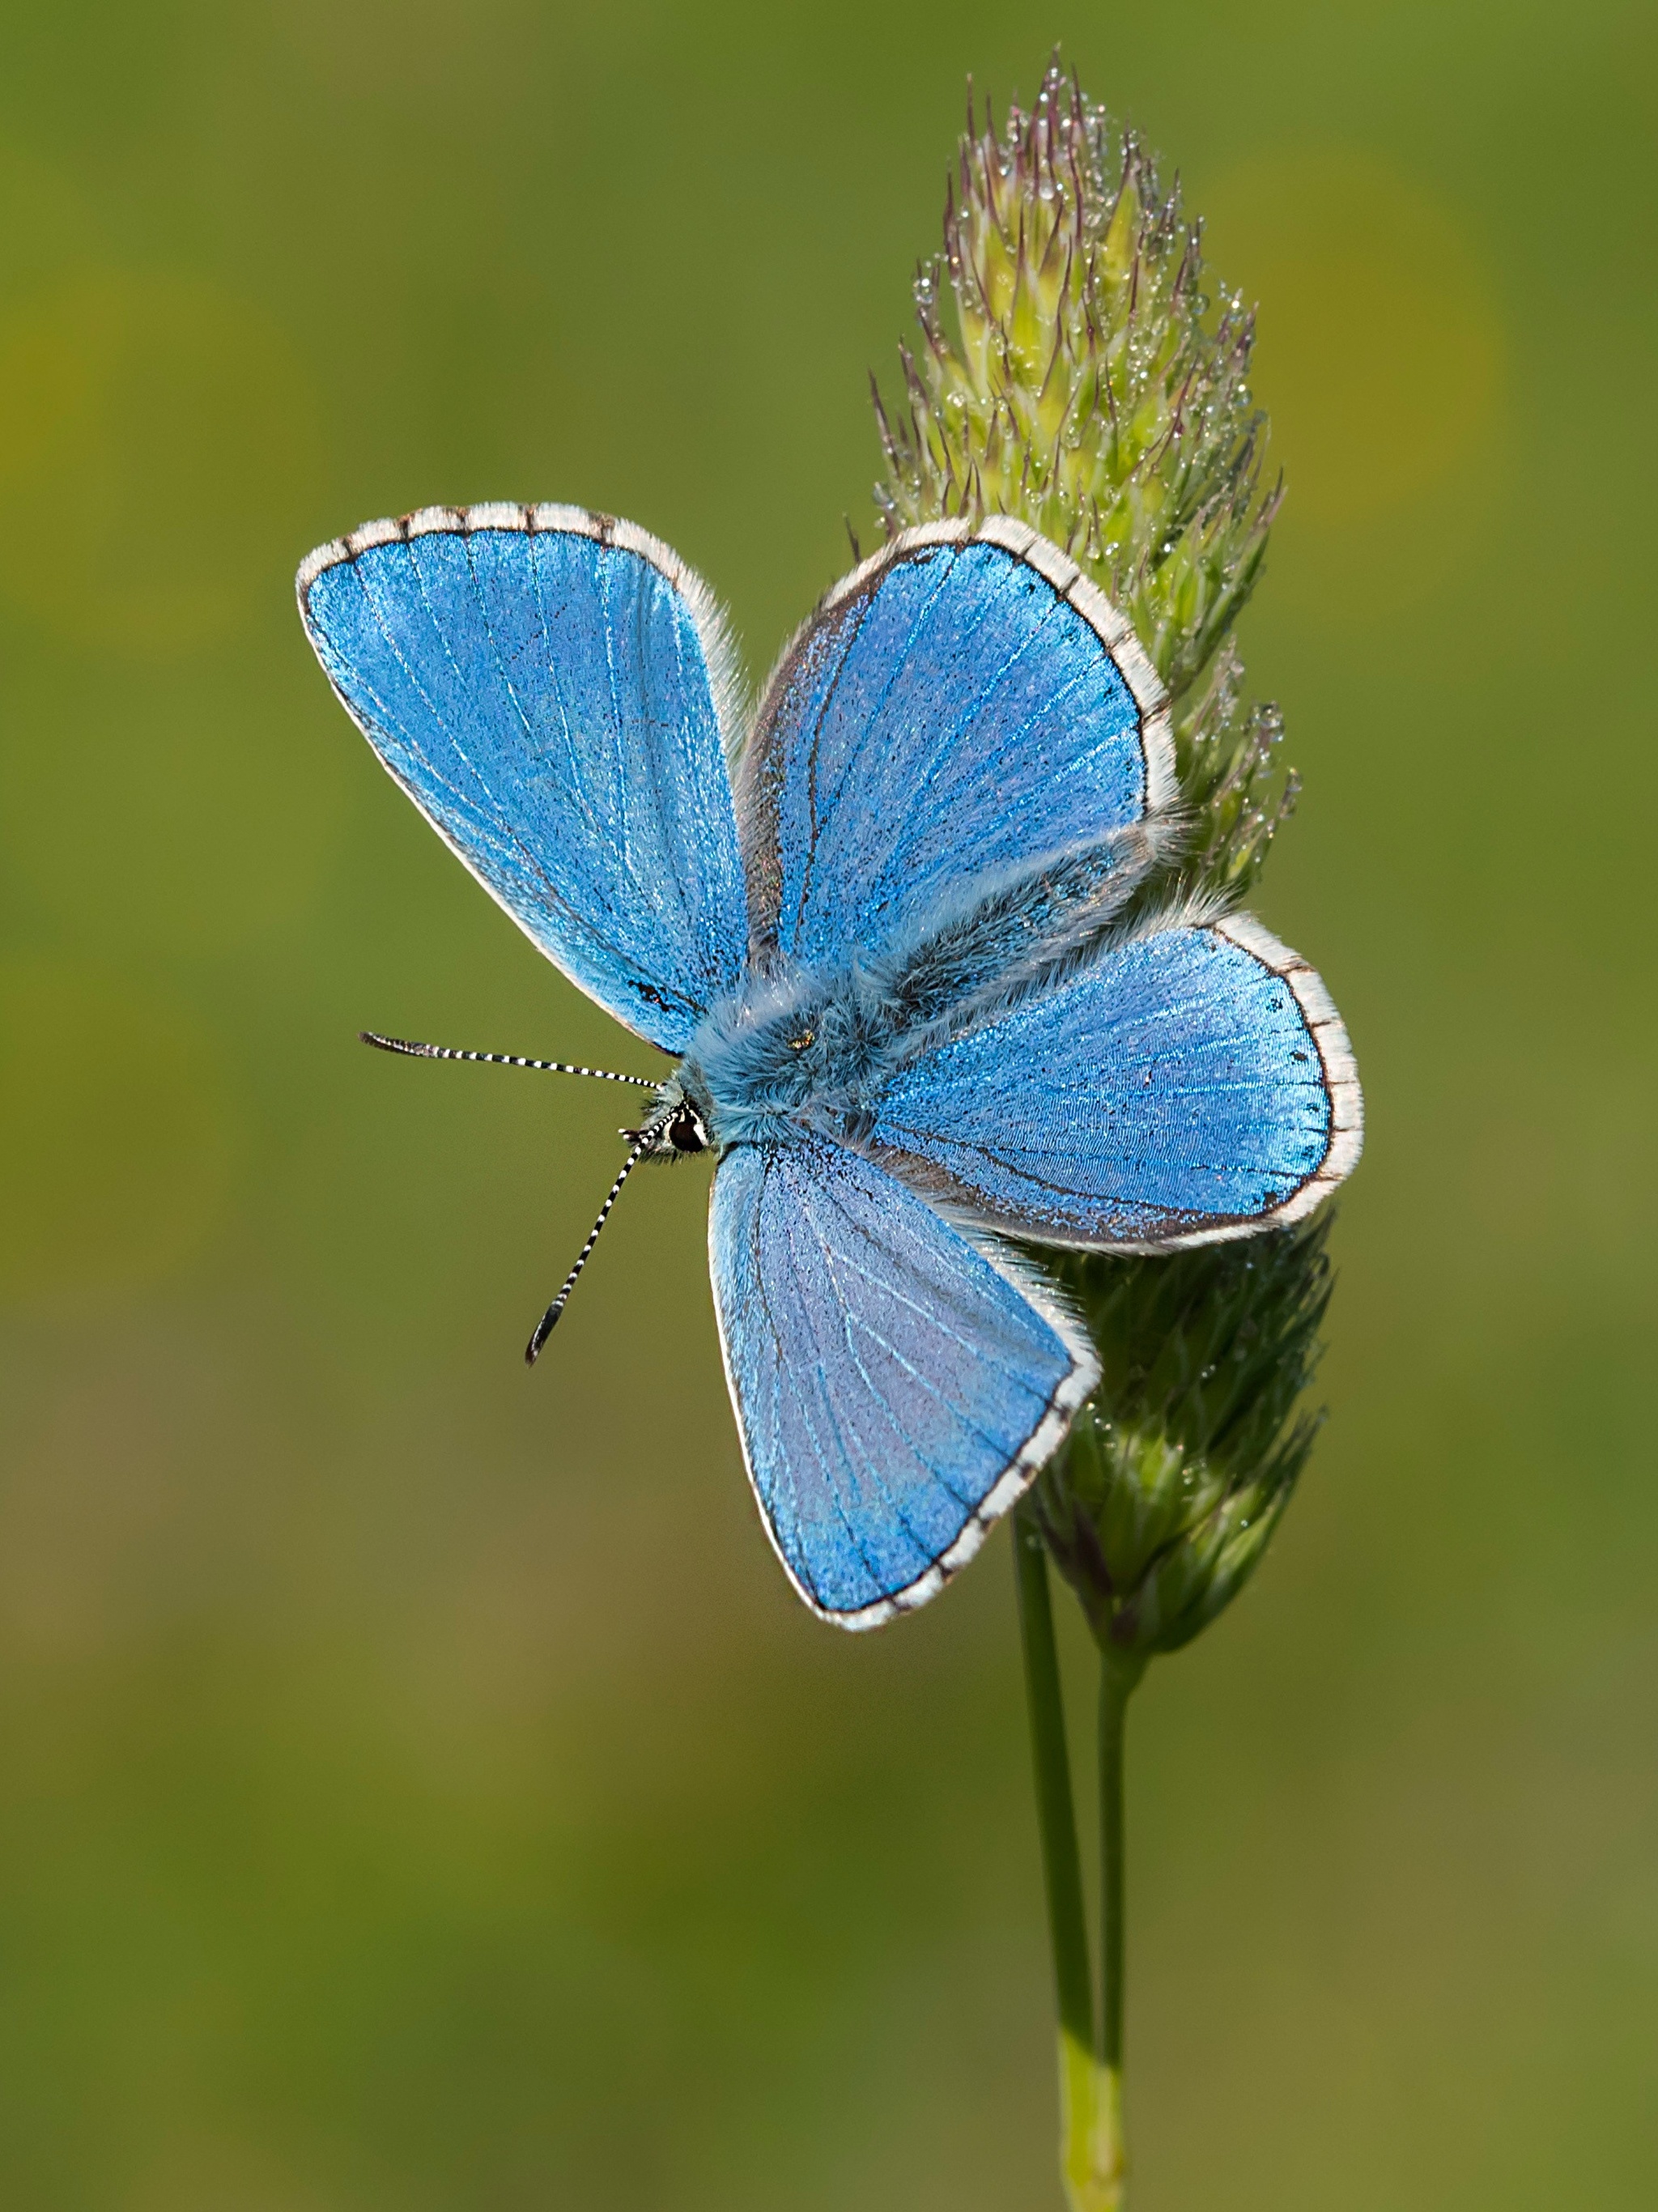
(890, 952)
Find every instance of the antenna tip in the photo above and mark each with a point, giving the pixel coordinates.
(544, 1328)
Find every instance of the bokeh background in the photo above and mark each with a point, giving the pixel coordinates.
(418, 1790)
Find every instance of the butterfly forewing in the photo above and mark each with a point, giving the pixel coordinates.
(539, 682)
(895, 1391)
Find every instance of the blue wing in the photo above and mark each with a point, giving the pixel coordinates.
(543, 684)
(965, 705)
(1188, 1085)
(895, 1391)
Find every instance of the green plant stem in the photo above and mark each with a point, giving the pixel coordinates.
(1119, 1674)
(1056, 1815)
(1090, 2091)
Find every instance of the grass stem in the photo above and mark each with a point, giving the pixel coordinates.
(1092, 2161)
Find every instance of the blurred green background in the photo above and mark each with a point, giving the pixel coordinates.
(418, 1790)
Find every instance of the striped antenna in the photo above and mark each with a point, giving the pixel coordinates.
(645, 1141)
(499, 1060)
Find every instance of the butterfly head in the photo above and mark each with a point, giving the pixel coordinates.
(676, 1128)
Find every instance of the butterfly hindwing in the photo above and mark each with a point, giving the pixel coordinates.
(1190, 1084)
(895, 1391)
(959, 707)
(544, 684)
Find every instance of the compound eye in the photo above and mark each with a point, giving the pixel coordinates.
(685, 1132)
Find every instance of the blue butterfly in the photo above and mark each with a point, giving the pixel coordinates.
(885, 928)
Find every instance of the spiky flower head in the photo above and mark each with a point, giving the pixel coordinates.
(1078, 366)
(1176, 1477)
